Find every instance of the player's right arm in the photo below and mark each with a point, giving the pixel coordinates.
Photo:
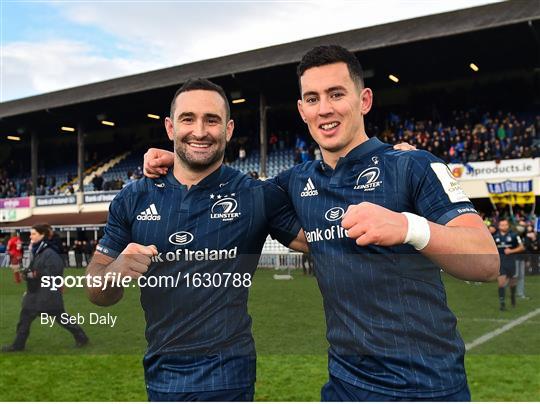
(116, 254)
(132, 262)
(517, 248)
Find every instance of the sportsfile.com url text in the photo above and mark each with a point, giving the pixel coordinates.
(114, 280)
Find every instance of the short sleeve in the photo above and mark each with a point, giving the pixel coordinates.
(282, 220)
(282, 180)
(436, 194)
(117, 230)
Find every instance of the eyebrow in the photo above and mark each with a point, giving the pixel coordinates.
(206, 116)
(328, 90)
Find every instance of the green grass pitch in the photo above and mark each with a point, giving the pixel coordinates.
(288, 324)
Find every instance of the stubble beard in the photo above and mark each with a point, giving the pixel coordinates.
(197, 163)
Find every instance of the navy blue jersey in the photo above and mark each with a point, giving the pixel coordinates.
(503, 241)
(208, 237)
(388, 324)
(507, 240)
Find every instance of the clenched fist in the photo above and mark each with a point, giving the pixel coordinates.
(157, 162)
(372, 224)
(134, 260)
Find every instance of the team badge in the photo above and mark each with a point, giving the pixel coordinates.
(224, 208)
(368, 179)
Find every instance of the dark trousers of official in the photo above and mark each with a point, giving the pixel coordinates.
(25, 321)
(78, 260)
(244, 394)
(339, 390)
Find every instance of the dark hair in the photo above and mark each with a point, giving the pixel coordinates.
(201, 84)
(329, 54)
(43, 228)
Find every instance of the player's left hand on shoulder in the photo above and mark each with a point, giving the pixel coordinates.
(373, 224)
(403, 146)
(156, 162)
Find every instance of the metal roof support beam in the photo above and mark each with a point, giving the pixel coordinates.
(34, 142)
(263, 135)
(80, 158)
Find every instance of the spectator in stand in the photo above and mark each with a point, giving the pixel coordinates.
(468, 137)
(501, 133)
(98, 182)
(273, 141)
(300, 143)
(297, 156)
(242, 153)
(304, 155)
(130, 177)
(283, 138)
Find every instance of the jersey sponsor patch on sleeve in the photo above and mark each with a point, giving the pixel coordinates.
(449, 183)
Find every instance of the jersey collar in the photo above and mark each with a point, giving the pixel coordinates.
(362, 150)
(216, 177)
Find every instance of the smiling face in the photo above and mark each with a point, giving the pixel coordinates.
(199, 129)
(333, 107)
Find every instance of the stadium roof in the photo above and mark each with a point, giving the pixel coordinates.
(402, 32)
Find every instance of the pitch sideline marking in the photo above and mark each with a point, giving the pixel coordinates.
(493, 320)
(500, 330)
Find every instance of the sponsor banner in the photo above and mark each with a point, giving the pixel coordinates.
(77, 228)
(55, 200)
(8, 215)
(14, 203)
(491, 170)
(511, 192)
(510, 186)
(99, 197)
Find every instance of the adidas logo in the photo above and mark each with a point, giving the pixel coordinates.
(150, 213)
(309, 189)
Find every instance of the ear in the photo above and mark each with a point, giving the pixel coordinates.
(366, 95)
(169, 127)
(300, 106)
(229, 130)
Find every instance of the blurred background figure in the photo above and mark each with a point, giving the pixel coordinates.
(15, 251)
(45, 261)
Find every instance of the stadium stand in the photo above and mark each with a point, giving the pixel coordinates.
(465, 136)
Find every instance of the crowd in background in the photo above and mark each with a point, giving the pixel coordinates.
(8, 188)
(461, 137)
(466, 137)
